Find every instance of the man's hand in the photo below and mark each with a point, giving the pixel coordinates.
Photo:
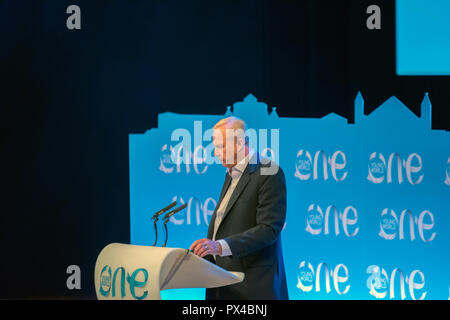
(204, 247)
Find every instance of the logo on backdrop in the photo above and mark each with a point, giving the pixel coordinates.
(379, 283)
(379, 169)
(317, 222)
(181, 160)
(309, 278)
(197, 212)
(308, 169)
(108, 282)
(391, 225)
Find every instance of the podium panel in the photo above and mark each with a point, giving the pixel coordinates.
(134, 272)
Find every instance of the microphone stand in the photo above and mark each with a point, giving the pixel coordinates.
(156, 217)
(166, 233)
(156, 231)
(166, 219)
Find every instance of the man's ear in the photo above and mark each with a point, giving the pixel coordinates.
(240, 145)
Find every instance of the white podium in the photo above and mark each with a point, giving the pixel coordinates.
(125, 272)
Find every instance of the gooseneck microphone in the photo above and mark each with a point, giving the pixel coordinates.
(171, 213)
(160, 212)
(156, 217)
(167, 217)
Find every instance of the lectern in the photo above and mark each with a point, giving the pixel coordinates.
(125, 271)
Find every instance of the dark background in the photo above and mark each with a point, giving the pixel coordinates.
(69, 99)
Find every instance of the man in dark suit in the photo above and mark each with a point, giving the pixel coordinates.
(244, 231)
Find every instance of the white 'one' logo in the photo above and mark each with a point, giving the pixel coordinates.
(305, 165)
(379, 169)
(390, 224)
(194, 208)
(316, 220)
(378, 283)
(172, 159)
(308, 277)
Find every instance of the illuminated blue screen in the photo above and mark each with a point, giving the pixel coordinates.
(367, 202)
(423, 37)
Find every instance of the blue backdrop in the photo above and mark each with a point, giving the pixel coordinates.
(368, 201)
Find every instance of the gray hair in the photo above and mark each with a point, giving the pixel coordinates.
(235, 124)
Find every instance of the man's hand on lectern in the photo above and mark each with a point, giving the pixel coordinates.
(203, 247)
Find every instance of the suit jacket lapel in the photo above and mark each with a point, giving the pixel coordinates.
(237, 192)
(225, 186)
(243, 181)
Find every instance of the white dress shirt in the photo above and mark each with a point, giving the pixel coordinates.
(236, 173)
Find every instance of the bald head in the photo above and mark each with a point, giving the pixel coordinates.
(230, 142)
(230, 123)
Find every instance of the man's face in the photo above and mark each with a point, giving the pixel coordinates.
(225, 148)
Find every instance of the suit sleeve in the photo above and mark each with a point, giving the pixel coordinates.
(270, 217)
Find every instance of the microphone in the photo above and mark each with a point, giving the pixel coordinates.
(171, 213)
(156, 216)
(160, 212)
(167, 217)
